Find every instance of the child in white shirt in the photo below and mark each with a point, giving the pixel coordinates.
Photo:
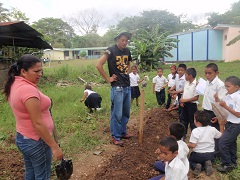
(134, 80)
(91, 99)
(159, 84)
(228, 141)
(202, 142)
(171, 82)
(176, 130)
(174, 167)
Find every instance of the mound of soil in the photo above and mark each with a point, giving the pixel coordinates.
(135, 161)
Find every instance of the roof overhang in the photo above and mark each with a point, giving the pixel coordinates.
(22, 35)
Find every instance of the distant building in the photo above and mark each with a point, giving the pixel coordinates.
(206, 44)
(73, 53)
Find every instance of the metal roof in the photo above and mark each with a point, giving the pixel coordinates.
(18, 33)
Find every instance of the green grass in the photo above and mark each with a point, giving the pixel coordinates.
(77, 130)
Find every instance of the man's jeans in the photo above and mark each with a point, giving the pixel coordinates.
(37, 157)
(120, 111)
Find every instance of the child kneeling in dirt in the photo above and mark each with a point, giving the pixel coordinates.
(177, 131)
(91, 99)
(174, 103)
(174, 167)
(202, 142)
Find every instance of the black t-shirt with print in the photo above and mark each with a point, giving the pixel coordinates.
(118, 62)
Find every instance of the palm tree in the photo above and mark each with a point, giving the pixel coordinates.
(4, 15)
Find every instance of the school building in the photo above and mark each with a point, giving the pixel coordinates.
(73, 53)
(206, 44)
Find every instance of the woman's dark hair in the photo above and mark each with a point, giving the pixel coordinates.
(25, 62)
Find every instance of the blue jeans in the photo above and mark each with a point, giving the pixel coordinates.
(120, 111)
(228, 144)
(37, 157)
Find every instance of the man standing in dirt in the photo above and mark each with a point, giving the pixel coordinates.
(118, 58)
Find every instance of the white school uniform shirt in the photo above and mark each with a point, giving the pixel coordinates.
(233, 101)
(204, 138)
(190, 90)
(175, 170)
(88, 91)
(159, 82)
(211, 89)
(180, 82)
(134, 78)
(171, 81)
(183, 151)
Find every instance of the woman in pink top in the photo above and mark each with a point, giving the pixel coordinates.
(34, 124)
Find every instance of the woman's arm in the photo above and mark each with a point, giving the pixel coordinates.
(33, 107)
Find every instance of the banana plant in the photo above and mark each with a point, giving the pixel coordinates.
(150, 47)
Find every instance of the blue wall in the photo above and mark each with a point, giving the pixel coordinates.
(199, 45)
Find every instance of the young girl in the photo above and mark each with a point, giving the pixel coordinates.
(171, 83)
(228, 141)
(91, 99)
(134, 80)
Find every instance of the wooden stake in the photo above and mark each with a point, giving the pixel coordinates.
(140, 137)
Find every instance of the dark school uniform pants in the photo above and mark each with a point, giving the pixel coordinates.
(160, 97)
(228, 144)
(188, 115)
(200, 158)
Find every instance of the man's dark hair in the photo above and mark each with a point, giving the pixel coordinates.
(184, 66)
(177, 130)
(191, 71)
(212, 66)
(170, 142)
(233, 80)
(202, 117)
(160, 68)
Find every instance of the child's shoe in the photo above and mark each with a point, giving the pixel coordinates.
(225, 168)
(208, 168)
(197, 169)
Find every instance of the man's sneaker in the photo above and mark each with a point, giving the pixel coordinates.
(225, 168)
(208, 168)
(197, 169)
(127, 136)
(116, 142)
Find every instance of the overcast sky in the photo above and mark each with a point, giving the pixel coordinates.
(37, 9)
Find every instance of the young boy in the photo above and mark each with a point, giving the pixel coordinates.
(179, 85)
(159, 84)
(174, 167)
(177, 131)
(189, 99)
(202, 142)
(214, 85)
(228, 141)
